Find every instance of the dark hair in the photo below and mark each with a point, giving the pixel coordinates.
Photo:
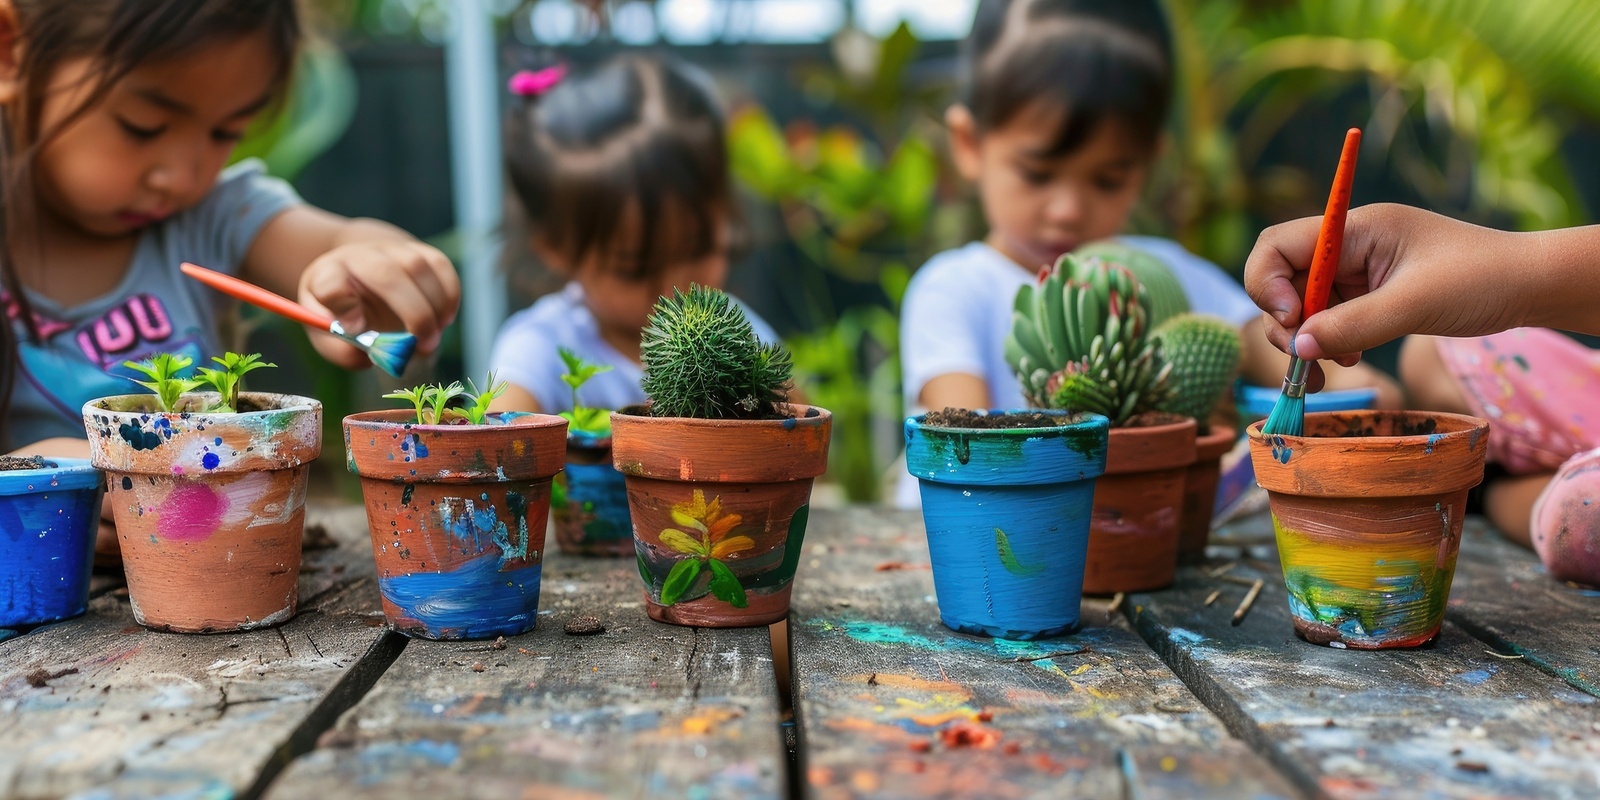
(636, 134)
(118, 36)
(1094, 59)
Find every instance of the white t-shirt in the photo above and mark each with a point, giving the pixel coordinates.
(525, 353)
(957, 313)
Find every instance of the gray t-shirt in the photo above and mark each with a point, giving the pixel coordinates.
(154, 309)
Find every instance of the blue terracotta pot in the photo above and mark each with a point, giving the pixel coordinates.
(589, 500)
(1007, 513)
(48, 521)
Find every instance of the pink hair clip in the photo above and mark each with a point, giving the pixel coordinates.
(532, 83)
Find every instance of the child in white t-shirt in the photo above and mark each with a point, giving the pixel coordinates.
(1062, 110)
(623, 173)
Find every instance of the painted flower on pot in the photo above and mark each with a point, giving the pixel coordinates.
(704, 538)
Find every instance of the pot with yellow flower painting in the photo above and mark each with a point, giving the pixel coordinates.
(718, 473)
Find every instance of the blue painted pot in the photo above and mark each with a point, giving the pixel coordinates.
(48, 521)
(1007, 513)
(589, 500)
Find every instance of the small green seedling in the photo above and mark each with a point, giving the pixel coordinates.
(227, 380)
(478, 401)
(595, 421)
(417, 396)
(163, 369)
(439, 397)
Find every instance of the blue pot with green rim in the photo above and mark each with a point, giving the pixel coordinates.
(48, 521)
(589, 500)
(1007, 512)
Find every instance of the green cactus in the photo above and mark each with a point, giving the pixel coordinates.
(1204, 352)
(1166, 295)
(702, 359)
(1078, 341)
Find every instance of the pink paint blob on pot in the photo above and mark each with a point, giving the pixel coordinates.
(191, 512)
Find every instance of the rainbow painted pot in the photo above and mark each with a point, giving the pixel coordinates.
(589, 500)
(457, 515)
(48, 520)
(1368, 506)
(1007, 512)
(210, 507)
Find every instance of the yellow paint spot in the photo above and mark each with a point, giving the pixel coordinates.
(519, 447)
(697, 725)
(1082, 668)
(1168, 763)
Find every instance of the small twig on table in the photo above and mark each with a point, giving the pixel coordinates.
(1116, 603)
(1212, 598)
(1504, 656)
(1249, 600)
(1238, 580)
(1057, 654)
(1212, 573)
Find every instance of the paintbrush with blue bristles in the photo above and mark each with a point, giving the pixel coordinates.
(1289, 413)
(389, 352)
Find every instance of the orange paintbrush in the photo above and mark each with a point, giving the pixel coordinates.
(389, 351)
(1289, 413)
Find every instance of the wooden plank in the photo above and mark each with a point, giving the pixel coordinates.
(1503, 596)
(98, 706)
(1451, 720)
(641, 710)
(893, 704)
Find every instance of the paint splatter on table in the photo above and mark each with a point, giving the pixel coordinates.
(893, 704)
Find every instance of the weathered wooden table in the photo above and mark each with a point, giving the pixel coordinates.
(1163, 698)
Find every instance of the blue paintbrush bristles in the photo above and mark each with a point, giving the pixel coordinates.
(391, 352)
(1288, 416)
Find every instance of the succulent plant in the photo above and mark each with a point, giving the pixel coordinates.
(1079, 341)
(1160, 286)
(702, 359)
(1204, 353)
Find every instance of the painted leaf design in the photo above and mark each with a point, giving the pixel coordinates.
(732, 544)
(679, 580)
(725, 585)
(682, 542)
(1009, 559)
(644, 572)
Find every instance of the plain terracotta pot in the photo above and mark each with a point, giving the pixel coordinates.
(1200, 493)
(589, 501)
(457, 515)
(1133, 530)
(1367, 507)
(209, 507)
(719, 510)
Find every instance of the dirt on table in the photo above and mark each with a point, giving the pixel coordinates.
(967, 418)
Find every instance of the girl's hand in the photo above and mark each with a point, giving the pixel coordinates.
(384, 285)
(1402, 270)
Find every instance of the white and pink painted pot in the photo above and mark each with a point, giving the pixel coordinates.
(209, 507)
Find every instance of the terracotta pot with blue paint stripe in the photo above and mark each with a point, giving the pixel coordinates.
(590, 500)
(48, 520)
(457, 515)
(1007, 512)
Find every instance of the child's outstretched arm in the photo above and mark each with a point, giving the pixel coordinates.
(367, 274)
(1404, 270)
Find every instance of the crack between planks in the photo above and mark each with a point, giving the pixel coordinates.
(1502, 645)
(692, 675)
(1211, 694)
(350, 689)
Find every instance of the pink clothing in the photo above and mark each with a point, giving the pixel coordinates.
(1539, 390)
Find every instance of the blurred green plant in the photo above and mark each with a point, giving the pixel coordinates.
(859, 207)
(1466, 100)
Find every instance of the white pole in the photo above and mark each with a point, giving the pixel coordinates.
(475, 176)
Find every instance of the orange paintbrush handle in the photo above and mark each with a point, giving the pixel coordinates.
(257, 296)
(1325, 261)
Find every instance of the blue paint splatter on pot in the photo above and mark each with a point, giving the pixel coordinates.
(210, 461)
(138, 438)
(476, 600)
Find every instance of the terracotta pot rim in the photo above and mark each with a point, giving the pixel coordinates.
(1167, 427)
(1076, 421)
(1466, 426)
(300, 404)
(798, 418)
(380, 420)
(70, 474)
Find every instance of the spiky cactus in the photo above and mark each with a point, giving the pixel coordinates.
(1204, 352)
(1078, 341)
(1166, 295)
(702, 359)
